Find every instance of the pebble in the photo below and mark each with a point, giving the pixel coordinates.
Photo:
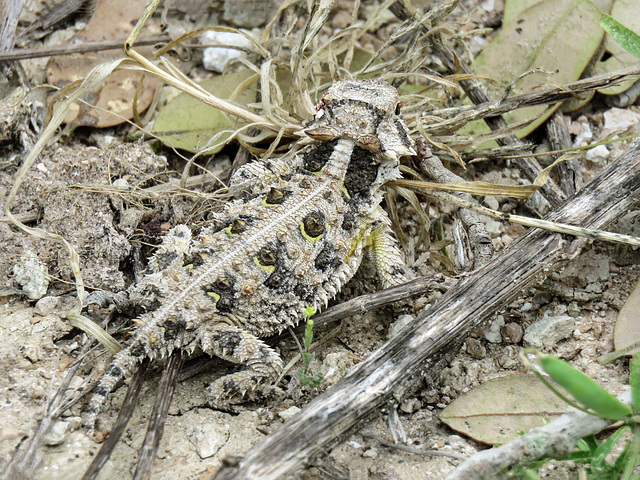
(410, 405)
(597, 154)
(549, 331)
(492, 334)
(46, 305)
(289, 412)
(619, 119)
(216, 59)
(491, 202)
(475, 348)
(395, 327)
(512, 332)
(335, 366)
(56, 434)
(370, 453)
(208, 440)
(31, 273)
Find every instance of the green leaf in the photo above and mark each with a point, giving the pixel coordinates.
(559, 37)
(524, 404)
(617, 57)
(628, 39)
(634, 382)
(189, 124)
(583, 389)
(604, 449)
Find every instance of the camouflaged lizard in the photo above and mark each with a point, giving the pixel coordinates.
(293, 237)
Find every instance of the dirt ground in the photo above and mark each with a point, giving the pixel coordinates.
(75, 190)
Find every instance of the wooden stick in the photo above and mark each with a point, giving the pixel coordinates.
(418, 348)
(22, 53)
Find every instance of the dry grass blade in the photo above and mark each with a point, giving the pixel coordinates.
(475, 188)
(159, 415)
(126, 410)
(592, 234)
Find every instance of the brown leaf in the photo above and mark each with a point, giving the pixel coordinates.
(627, 329)
(112, 20)
(501, 409)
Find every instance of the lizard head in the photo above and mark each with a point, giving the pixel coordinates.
(366, 111)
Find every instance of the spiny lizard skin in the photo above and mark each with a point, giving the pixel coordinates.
(292, 238)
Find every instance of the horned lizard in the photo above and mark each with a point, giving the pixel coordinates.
(292, 238)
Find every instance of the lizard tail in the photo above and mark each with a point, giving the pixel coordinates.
(122, 366)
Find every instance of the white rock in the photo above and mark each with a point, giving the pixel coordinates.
(31, 273)
(207, 440)
(597, 154)
(56, 434)
(619, 119)
(289, 412)
(549, 331)
(395, 327)
(492, 334)
(214, 58)
(584, 135)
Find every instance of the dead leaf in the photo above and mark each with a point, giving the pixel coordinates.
(112, 20)
(627, 329)
(502, 409)
(189, 124)
(556, 38)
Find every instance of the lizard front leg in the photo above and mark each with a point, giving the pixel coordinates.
(384, 250)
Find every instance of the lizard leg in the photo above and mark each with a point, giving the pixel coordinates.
(383, 247)
(229, 342)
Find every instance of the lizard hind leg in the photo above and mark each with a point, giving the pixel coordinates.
(229, 342)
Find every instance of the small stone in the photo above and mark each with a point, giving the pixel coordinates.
(493, 227)
(289, 413)
(573, 309)
(411, 405)
(56, 434)
(512, 332)
(538, 203)
(586, 269)
(491, 202)
(527, 307)
(619, 119)
(475, 348)
(549, 331)
(46, 305)
(430, 396)
(492, 334)
(395, 327)
(597, 154)
(248, 15)
(217, 58)
(31, 273)
(334, 367)
(370, 453)
(75, 423)
(207, 440)
(121, 183)
(506, 362)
